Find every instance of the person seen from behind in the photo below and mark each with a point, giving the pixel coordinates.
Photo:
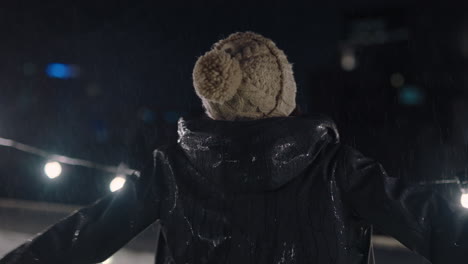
(257, 183)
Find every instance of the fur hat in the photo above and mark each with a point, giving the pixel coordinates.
(245, 76)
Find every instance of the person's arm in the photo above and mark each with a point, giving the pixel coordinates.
(426, 218)
(94, 233)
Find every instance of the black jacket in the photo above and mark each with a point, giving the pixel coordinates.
(276, 190)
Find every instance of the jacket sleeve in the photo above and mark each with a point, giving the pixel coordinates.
(94, 233)
(427, 218)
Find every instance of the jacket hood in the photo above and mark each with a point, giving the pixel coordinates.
(255, 155)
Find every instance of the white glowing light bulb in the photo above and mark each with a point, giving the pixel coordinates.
(53, 169)
(117, 183)
(464, 200)
(107, 261)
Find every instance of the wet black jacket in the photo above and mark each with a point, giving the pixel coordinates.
(276, 190)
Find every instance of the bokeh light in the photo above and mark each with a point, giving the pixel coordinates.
(53, 169)
(62, 71)
(464, 200)
(348, 61)
(411, 95)
(171, 117)
(117, 183)
(147, 115)
(93, 90)
(101, 131)
(29, 69)
(397, 80)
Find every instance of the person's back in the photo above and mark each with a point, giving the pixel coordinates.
(254, 184)
(263, 191)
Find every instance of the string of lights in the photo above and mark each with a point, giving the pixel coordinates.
(53, 168)
(463, 184)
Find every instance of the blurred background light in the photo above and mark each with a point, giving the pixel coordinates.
(101, 131)
(117, 183)
(29, 69)
(411, 95)
(62, 71)
(464, 200)
(397, 80)
(93, 90)
(147, 115)
(53, 169)
(171, 117)
(348, 61)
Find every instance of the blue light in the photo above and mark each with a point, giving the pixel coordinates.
(148, 116)
(411, 95)
(59, 70)
(171, 117)
(100, 128)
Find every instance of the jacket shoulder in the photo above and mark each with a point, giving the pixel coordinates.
(318, 122)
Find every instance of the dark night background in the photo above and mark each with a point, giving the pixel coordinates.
(135, 61)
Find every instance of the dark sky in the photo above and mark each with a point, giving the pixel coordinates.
(135, 60)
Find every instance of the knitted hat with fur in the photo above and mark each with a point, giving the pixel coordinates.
(245, 76)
